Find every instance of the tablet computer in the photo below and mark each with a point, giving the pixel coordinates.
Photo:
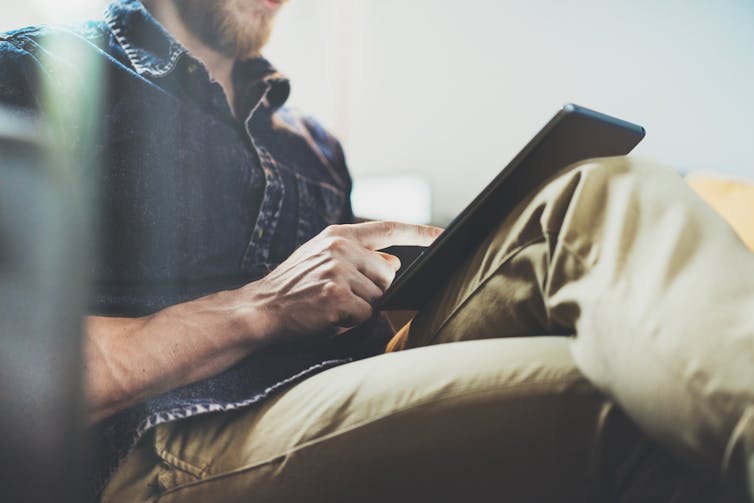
(574, 134)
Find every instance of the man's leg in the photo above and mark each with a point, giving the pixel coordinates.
(477, 421)
(658, 289)
(382, 429)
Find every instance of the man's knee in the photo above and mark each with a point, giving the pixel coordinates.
(637, 170)
(610, 181)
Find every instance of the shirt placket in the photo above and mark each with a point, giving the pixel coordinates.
(257, 252)
(259, 246)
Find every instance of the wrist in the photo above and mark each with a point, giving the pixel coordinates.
(251, 315)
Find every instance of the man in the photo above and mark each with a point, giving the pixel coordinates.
(222, 283)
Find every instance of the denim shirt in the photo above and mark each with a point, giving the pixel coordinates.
(189, 199)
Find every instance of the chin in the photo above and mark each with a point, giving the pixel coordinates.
(246, 26)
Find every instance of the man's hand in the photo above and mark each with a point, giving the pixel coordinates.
(331, 282)
(326, 286)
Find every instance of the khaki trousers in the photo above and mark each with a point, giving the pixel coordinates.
(659, 294)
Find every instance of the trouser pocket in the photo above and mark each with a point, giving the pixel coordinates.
(173, 471)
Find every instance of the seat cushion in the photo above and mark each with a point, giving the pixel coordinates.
(732, 199)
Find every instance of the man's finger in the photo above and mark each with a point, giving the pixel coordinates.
(377, 267)
(392, 260)
(378, 235)
(365, 288)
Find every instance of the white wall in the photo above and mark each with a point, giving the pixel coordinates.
(452, 89)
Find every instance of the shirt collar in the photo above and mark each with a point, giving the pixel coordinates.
(153, 52)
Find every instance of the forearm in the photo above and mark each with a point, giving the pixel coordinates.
(130, 360)
(325, 287)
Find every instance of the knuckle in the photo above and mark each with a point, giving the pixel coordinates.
(334, 291)
(337, 244)
(332, 270)
(329, 289)
(388, 228)
(333, 230)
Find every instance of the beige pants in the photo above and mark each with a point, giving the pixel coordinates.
(657, 289)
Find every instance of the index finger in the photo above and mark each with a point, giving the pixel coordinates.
(379, 235)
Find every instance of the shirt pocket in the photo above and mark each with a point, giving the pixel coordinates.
(320, 204)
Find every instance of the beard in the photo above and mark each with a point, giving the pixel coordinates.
(235, 28)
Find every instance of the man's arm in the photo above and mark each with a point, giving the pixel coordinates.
(128, 360)
(326, 286)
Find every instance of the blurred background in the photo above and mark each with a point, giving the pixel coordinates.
(432, 97)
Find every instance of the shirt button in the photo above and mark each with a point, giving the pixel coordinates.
(192, 67)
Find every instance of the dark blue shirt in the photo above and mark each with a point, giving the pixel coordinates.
(188, 199)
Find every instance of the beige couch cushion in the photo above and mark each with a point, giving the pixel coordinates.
(732, 199)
